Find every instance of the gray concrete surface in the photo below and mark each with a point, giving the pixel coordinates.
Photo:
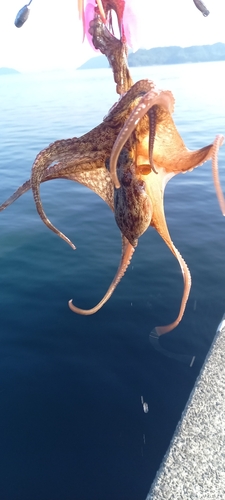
(194, 466)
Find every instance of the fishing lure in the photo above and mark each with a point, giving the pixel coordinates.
(200, 6)
(22, 15)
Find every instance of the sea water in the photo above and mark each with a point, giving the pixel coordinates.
(72, 420)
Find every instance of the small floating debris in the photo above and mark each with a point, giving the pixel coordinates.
(192, 361)
(145, 405)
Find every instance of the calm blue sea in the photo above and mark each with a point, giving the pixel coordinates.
(72, 425)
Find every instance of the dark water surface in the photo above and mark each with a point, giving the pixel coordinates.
(72, 425)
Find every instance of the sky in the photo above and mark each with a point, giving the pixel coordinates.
(52, 36)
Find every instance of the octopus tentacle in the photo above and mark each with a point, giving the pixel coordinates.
(160, 330)
(124, 105)
(81, 13)
(61, 150)
(155, 185)
(152, 128)
(217, 143)
(48, 223)
(115, 51)
(50, 174)
(151, 98)
(41, 163)
(56, 151)
(21, 190)
(161, 227)
(127, 253)
(35, 183)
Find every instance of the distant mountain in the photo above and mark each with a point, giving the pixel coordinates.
(177, 55)
(95, 63)
(8, 71)
(165, 55)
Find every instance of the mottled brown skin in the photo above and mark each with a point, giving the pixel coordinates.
(115, 49)
(128, 159)
(134, 191)
(116, 52)
(132, 204)
(170, 157)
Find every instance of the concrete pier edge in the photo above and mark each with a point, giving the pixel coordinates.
(194, 465)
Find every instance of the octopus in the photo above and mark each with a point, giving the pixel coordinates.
(127, 160)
